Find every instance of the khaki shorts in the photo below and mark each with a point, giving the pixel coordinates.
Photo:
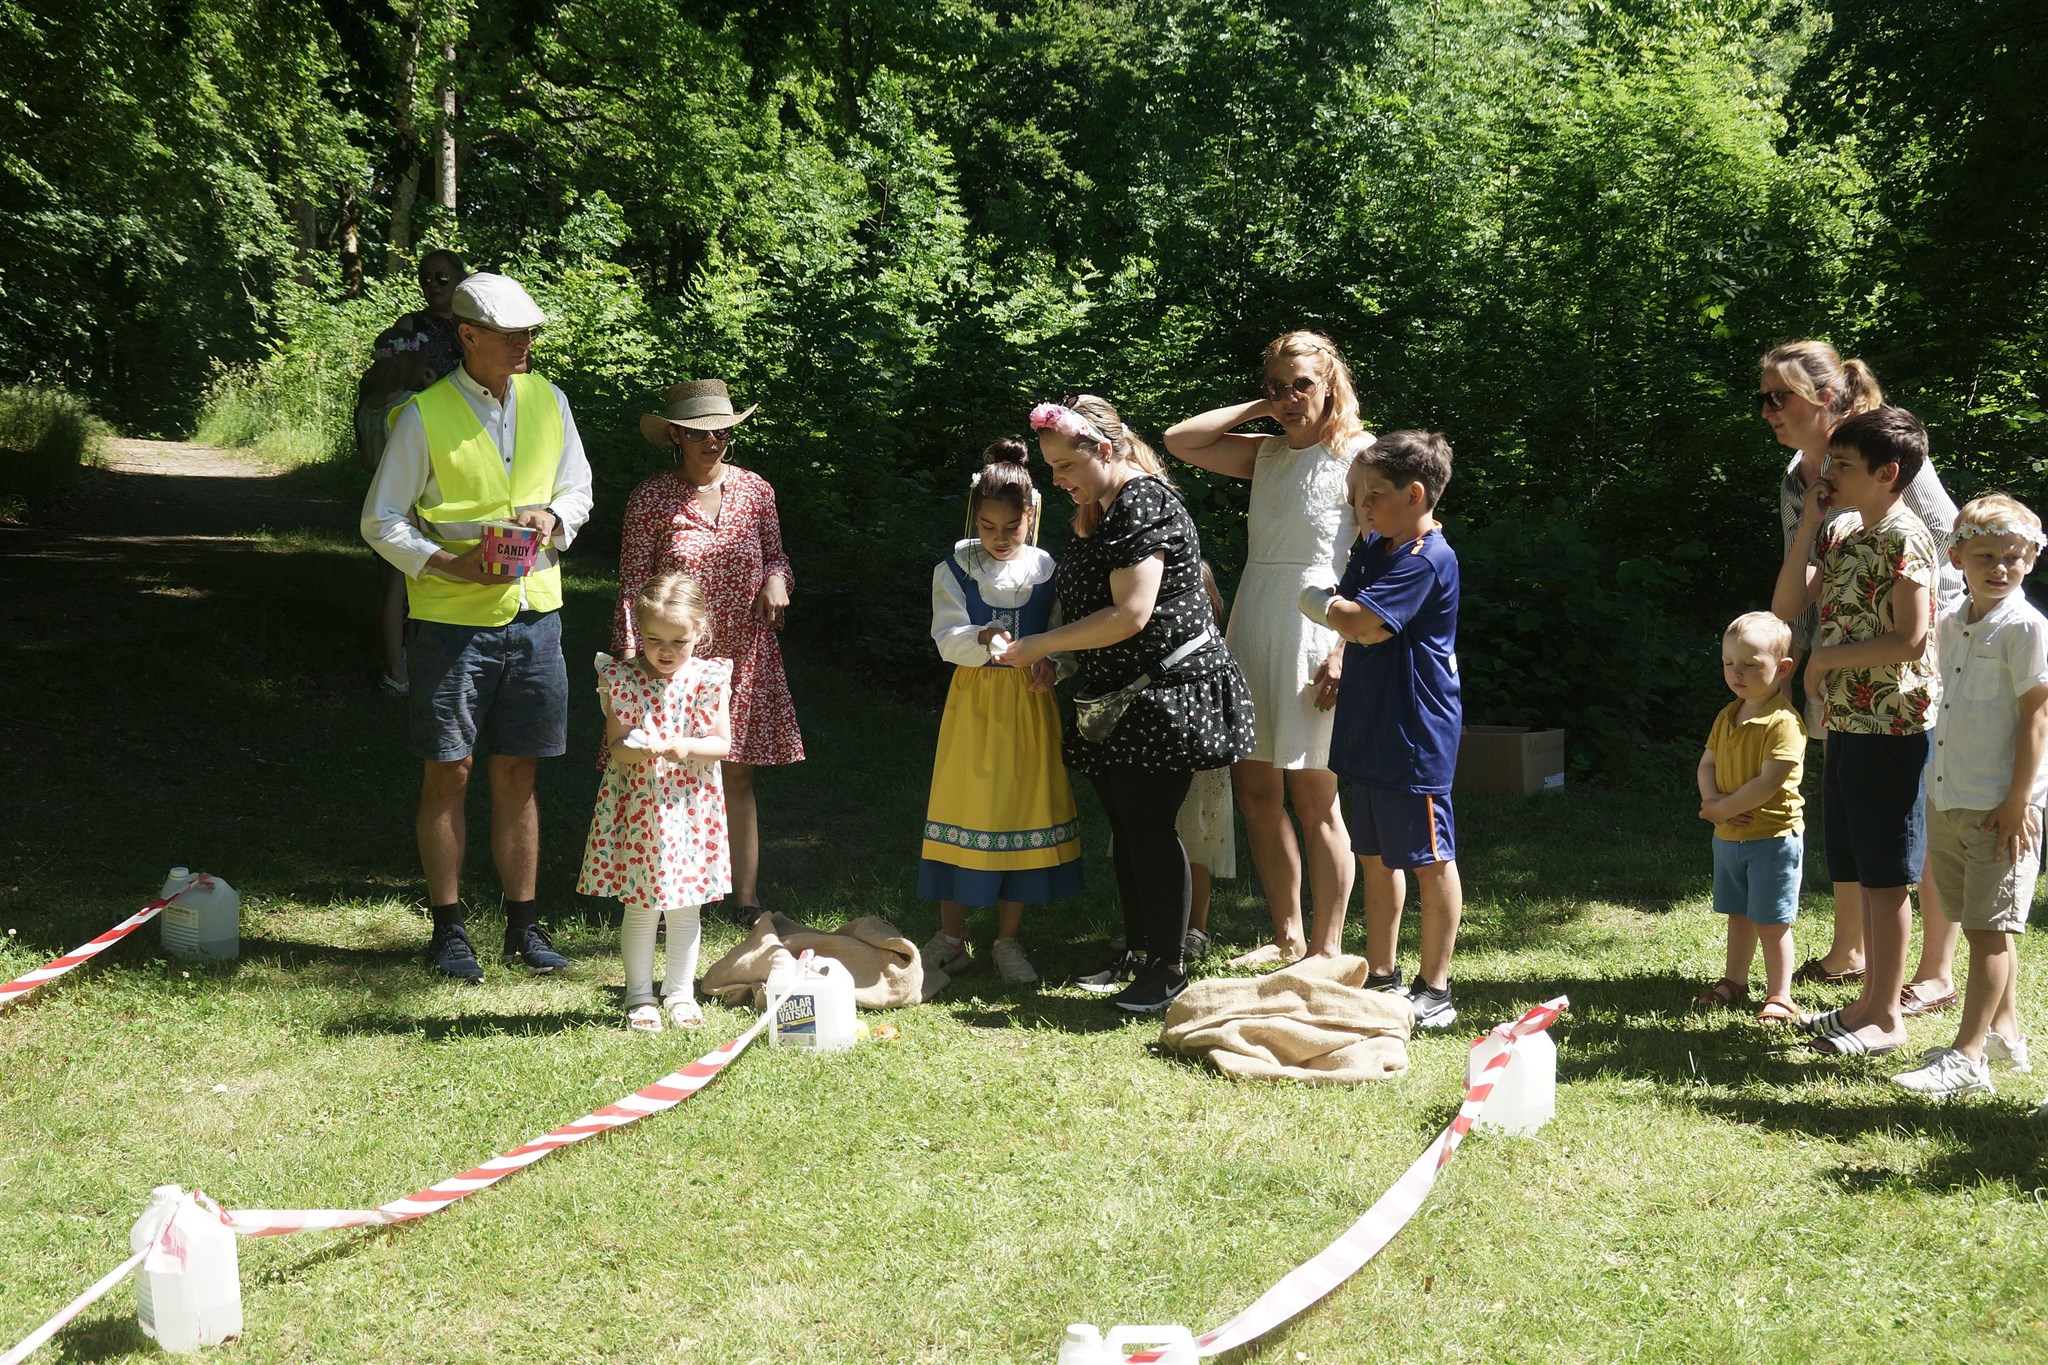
(1978, 889)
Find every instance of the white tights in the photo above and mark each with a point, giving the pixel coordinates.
(636, 945)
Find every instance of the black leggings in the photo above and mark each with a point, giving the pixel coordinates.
(1151, 866)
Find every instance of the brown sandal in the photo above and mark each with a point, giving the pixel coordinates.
(1722, 992)
(1778, 1009)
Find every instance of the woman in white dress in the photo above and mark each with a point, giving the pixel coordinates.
(1300, 534)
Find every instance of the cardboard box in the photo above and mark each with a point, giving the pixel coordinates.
(1510, 760)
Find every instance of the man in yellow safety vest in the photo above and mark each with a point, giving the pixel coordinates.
(488, 443)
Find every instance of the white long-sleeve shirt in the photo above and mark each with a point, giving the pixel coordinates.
(406, 476)
(1004, 584)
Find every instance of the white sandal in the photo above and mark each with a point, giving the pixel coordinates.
(644, 1019)
(686, 1014)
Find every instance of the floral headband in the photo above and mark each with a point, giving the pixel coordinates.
(2002, 528)
(1066, 422)
(400, 345)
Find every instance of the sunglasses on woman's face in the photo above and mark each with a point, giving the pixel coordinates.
(1301, 386)
(438, 277)
(723, 435)
(1772, 400)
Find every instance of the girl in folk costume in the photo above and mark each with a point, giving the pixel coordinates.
(658, 839)
(1000, 828)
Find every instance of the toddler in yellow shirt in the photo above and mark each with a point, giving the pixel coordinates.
(1749, 791)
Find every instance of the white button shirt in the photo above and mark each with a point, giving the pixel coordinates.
(406, 476)
(1004, 585)
(1986, 667)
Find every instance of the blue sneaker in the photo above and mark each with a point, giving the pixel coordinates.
(449, 953)
(532, 946)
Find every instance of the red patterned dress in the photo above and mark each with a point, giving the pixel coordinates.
(658, 836)
(666, 530)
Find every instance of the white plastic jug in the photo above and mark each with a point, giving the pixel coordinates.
(1083, 1345)
(817, 1012)
(1176, 1345)
(206, 921)
(188, 1289)
(1524, 1091)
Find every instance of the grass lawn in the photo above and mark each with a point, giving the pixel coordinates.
(1019, 1159)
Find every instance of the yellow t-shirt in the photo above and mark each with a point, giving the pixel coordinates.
(1740, 750)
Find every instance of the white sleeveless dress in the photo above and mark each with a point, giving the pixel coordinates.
(1299, 535)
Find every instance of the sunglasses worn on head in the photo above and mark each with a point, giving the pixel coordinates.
(1772, 400)
(1301, 386)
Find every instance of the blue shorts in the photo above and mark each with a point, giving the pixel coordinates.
(507, 683)
(1402, 829)
(1759, 877)
(1871, 798)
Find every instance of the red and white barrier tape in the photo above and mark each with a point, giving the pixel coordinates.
(1343, 1258)
(666, 1093)
(56, 967)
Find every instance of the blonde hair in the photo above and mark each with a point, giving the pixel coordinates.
(1760, 628)
(676, 598)
(1812, 366)
(1341, 428)
(1996, 509)
(1125, 446)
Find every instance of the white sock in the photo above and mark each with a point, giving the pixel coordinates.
(685, 928)
(636, 946)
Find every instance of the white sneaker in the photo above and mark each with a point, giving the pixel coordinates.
(2010, 1053)
(1196, 945)
(945, 954)
(1011, 964)
(1947, 1073)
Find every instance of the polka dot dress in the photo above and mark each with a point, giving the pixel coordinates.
(1199, 716)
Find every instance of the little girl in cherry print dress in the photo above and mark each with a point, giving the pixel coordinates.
(658, 838)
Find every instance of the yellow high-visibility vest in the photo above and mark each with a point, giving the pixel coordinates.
(475, 488)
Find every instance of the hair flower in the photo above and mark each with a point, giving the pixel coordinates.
(1066, 422)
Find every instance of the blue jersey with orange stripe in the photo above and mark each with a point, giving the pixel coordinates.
(1398, 704)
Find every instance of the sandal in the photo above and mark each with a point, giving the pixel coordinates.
(686, 1014)
(1828, 1021)
(1778, 1009)
(1722, 992)
(1815, 972)
(644, 1019)
(1844, 1042)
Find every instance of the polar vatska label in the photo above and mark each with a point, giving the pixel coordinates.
(797, 1018)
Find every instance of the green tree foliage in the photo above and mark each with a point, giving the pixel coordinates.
(1559, 230)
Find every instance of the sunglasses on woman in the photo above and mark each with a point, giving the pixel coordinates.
(437, 277)
(1772, 400)
(697, 438)
(1300, 387)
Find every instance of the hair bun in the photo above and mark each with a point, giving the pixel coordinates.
(1007, 450)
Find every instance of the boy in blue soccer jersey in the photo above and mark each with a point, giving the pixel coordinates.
(1398, 711)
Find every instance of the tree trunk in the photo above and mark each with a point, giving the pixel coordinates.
(398, 249)
(444, 128)
(398, 242)
(306, 231)
(351, 244)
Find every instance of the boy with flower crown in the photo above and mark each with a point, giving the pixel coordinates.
(1985, 784)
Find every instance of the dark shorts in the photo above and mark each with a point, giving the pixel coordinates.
(1871, 787)
(506, 683)
(1402, 829)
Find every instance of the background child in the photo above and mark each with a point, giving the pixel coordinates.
(1749, 790)
(1000, 826)
(1399, 709)
(1985, 784)
(658, 838)
(1875, 586)
(1208, 823)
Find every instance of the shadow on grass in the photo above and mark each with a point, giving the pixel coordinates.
(1027, 1009)
(104, 1338)
(436, 1029)
(1979, 1140)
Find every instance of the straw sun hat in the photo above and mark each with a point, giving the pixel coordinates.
(699, 404)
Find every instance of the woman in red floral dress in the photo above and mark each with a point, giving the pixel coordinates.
(716, 522)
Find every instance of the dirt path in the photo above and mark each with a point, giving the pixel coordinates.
(154, 493)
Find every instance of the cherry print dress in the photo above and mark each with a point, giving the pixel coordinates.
(730, 558)
(658, 836)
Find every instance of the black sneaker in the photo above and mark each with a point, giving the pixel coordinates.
(1156, 986)
(1391, 981)
(1433, 1008)
(533, 947)
(449, 953)
(1110, 979)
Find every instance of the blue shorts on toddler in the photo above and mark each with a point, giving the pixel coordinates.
(1759, 878)
(1402, 829)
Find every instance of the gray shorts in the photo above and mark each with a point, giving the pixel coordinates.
(1979, 890)
(507, 683)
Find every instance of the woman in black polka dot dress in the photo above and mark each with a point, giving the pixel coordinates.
(1130, 588)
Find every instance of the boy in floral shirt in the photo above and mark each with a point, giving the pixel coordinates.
(1875, 586)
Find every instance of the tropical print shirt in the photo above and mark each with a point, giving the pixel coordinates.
(1860, 571)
